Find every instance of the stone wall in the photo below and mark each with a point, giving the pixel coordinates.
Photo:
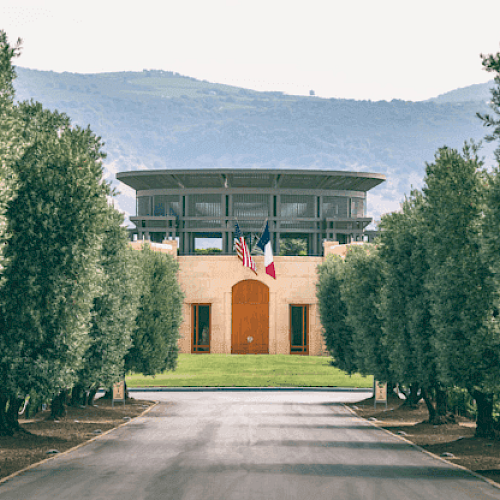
(208, 279)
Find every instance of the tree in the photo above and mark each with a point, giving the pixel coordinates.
(56, 223)
(360, 290)
(10, 149)
(491, 63)
(114, 313)
(9, 129)
(459, 279)
(155, 347)
(491, 246)
(293, 246)
(405, 306)
(337, 333)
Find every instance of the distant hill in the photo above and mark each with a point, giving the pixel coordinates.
(479, 92)
(159, 120)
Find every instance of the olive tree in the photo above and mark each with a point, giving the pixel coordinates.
(337, 333)
(159, 315)
(405, 306)
(56, 223)
(459, 280)
(113, 315)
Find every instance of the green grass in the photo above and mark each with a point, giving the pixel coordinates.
(226, 370)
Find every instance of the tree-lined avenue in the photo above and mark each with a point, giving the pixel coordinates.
(248, 445)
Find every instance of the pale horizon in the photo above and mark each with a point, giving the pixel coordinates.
(361, 50)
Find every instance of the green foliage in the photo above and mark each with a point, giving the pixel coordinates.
(459, 280)
(405, 307)
(114, 310)
(337, 333)
(349, 296)
(460, 402)
(491, 243)
(360, 290)
(56, 222)
(155, 339)
(208, 251)
(491, 63)
(293, 246)
(10, 147)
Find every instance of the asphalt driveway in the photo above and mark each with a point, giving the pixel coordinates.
(247, 445)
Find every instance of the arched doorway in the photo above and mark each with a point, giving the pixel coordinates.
(250, 318)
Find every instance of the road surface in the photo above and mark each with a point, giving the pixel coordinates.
(247, 445)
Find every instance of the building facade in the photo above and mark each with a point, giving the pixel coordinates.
(191, 205)
(228, 308)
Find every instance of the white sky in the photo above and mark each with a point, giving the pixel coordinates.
(357, 49)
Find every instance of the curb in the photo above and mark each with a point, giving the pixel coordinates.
(36, 464)
(265, 389)
(433, 455)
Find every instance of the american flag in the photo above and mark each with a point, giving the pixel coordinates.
(242, 249)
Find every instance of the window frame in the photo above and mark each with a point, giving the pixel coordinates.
(195, 348)
(304, 348)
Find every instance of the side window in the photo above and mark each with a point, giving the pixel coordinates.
(200, 328)
(299, 338)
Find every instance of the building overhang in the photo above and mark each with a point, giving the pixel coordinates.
(143, 180)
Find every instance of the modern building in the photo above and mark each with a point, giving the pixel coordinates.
(228, 308)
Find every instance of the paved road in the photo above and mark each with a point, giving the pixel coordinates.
(247, 445)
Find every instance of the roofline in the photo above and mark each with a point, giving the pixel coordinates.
(215, 171)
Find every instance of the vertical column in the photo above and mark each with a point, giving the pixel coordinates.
(224, 242)
(224, 224)
(278, 219)
(185, 212)
(186, 243)
(230, 226)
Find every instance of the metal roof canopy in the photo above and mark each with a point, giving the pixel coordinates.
(142, 180)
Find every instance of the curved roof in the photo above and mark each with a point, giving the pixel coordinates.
(142, 180)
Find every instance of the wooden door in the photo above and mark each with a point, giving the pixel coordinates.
(250, 318)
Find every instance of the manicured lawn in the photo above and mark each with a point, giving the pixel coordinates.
(225, 370)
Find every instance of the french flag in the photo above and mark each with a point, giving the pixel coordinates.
(265, 245)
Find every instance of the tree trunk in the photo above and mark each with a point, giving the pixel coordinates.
(92, 392)
(4, 428)
(442, 416)
(414, 397)
(58, 406)
(430, 406)
(77, 395)
(12, 414)
(484, 422)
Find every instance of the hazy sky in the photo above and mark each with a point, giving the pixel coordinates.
(374, 49)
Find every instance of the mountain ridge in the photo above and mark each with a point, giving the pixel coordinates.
(156, 119)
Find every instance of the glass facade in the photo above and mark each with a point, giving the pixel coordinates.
(205, 205)
(251, 205)
(144, 205)
(335, 207)
(166, 205)
(316, 206)
(357, 207)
